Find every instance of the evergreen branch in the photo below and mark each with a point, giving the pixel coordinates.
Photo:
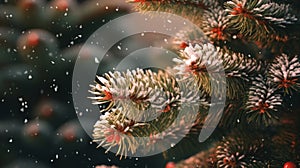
(173, 132)
(185, 37)
(143, 104)
(240, 66)
(284, 72)
(129, 99)
(233, 116)
(263, 103)
(277, 14)
(168, 6)
(256, 19)
(190, 9)
(195, 62)
(241, 151)
(201, 4)
(214, 26)
(136, 88)
(235, 150)
(109, 132)
(215, 23)
(204, 159)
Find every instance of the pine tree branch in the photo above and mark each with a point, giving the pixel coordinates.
(192, 10)
(263, 103)
(215, 23)
(255, 20)
(238, 150)
(195, 62)
(142, 104)
(284, 72)
(200, 4)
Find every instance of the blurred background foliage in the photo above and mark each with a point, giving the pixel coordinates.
(39, 44)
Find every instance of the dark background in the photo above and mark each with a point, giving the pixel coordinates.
(38, 124)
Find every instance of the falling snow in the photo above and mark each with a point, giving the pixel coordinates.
(56, 88)
(96, 60)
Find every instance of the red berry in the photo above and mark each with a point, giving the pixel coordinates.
(170, 165)
(61, 5)
(27, 4)
(69, 134)
(33, 39)
(46, 110)
(183, 45)
(289, 165)
(32, 130)
(167, 109)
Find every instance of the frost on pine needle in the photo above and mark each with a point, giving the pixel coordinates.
(142, 103)
(199, 64)
(241, 66)
(203, 58)
(132, 87)
(203, 63)
(198, 59)
(185, 37)
(258, 19)
(240, 151)
(278, 14)
(263, 102)
(215, 24)
(111, 131)
(177, 129)
(191, 96)
(284, 72)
